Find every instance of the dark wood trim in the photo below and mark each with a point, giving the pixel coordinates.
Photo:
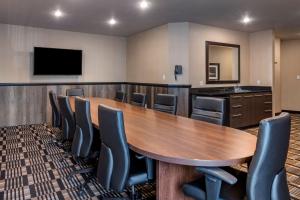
(60, 83)
(96, 83)
(291, 111)
(160, 85)
(207, 43)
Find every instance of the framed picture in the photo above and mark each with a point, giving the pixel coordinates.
(214, 71)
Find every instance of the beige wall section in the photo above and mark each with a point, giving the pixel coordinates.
(104, 57)
(179, 51)
(155, 52)
(277, 77)
(290, 68)
(148, 56)
(261, 58)
(199, 34)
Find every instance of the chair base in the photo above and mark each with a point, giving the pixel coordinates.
(134, 194)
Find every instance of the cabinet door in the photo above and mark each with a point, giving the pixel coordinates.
(236, 111)
(259, 103)
(249, 108)
(268, 105)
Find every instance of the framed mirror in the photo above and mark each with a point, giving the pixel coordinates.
(222, 63)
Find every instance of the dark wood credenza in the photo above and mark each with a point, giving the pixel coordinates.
(249, 109)
(245, 108)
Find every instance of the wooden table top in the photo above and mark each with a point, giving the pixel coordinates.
(179, 140)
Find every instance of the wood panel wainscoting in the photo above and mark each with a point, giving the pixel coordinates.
(28, 103)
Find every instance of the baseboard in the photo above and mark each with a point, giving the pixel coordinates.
(291, 111)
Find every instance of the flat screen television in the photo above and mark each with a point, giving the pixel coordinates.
(50, 61)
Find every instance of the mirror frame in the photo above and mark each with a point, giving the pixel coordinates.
(208, 43)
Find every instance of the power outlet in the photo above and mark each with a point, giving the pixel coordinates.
(164, 77)
(258, 82)
(201, 83)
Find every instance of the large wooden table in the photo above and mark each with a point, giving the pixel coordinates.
(178, 143)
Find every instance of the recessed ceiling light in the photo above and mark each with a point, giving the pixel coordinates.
(58, 13)
(112, 21)
(144, 4)
(246, 19)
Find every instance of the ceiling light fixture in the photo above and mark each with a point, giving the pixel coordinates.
(246, 19)
(144, 4)
(58, 13)
(112, 21)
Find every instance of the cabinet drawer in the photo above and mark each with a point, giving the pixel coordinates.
(236, 99)
(236, 120)
(236, 108)
(268, 105)
(268, 97)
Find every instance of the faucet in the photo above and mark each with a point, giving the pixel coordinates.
(237, 88)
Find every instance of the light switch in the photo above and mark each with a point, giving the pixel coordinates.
(298, 77)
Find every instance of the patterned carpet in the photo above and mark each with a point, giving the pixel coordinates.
(32, 167)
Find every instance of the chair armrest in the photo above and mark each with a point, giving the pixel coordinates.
(218, 173)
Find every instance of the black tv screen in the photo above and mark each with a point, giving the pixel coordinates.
(50, 61)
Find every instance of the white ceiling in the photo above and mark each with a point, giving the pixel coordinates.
(90, 16)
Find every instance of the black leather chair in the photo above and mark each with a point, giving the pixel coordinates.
(138, 99)
(56, 118)
(166, 103)
(120, 96)
(75, 92)
(209, 109)
(116, 168)
(84, 128)
(266, 178)
(68, 118)
(83, 138)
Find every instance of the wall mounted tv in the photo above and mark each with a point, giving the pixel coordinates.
(50, 61)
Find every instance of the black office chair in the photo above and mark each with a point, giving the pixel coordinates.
(56, 118)
(120, 96)
(166, 103)
(266, 178)
(75, 92)
(68, 118)
(209, 109)
(138, 99)
(116, 168)
(83, 139)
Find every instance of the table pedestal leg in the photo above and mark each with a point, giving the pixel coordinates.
(170, 178)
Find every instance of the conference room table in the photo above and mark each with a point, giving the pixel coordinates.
(178, 144)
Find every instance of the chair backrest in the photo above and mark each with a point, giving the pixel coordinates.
(209, 109)
(56, 119)
(166, 103)
(75, 92)
(84, 134)
(138, 99)
(267, 175)
(120, 96)
(114, 161)
(68, 118)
